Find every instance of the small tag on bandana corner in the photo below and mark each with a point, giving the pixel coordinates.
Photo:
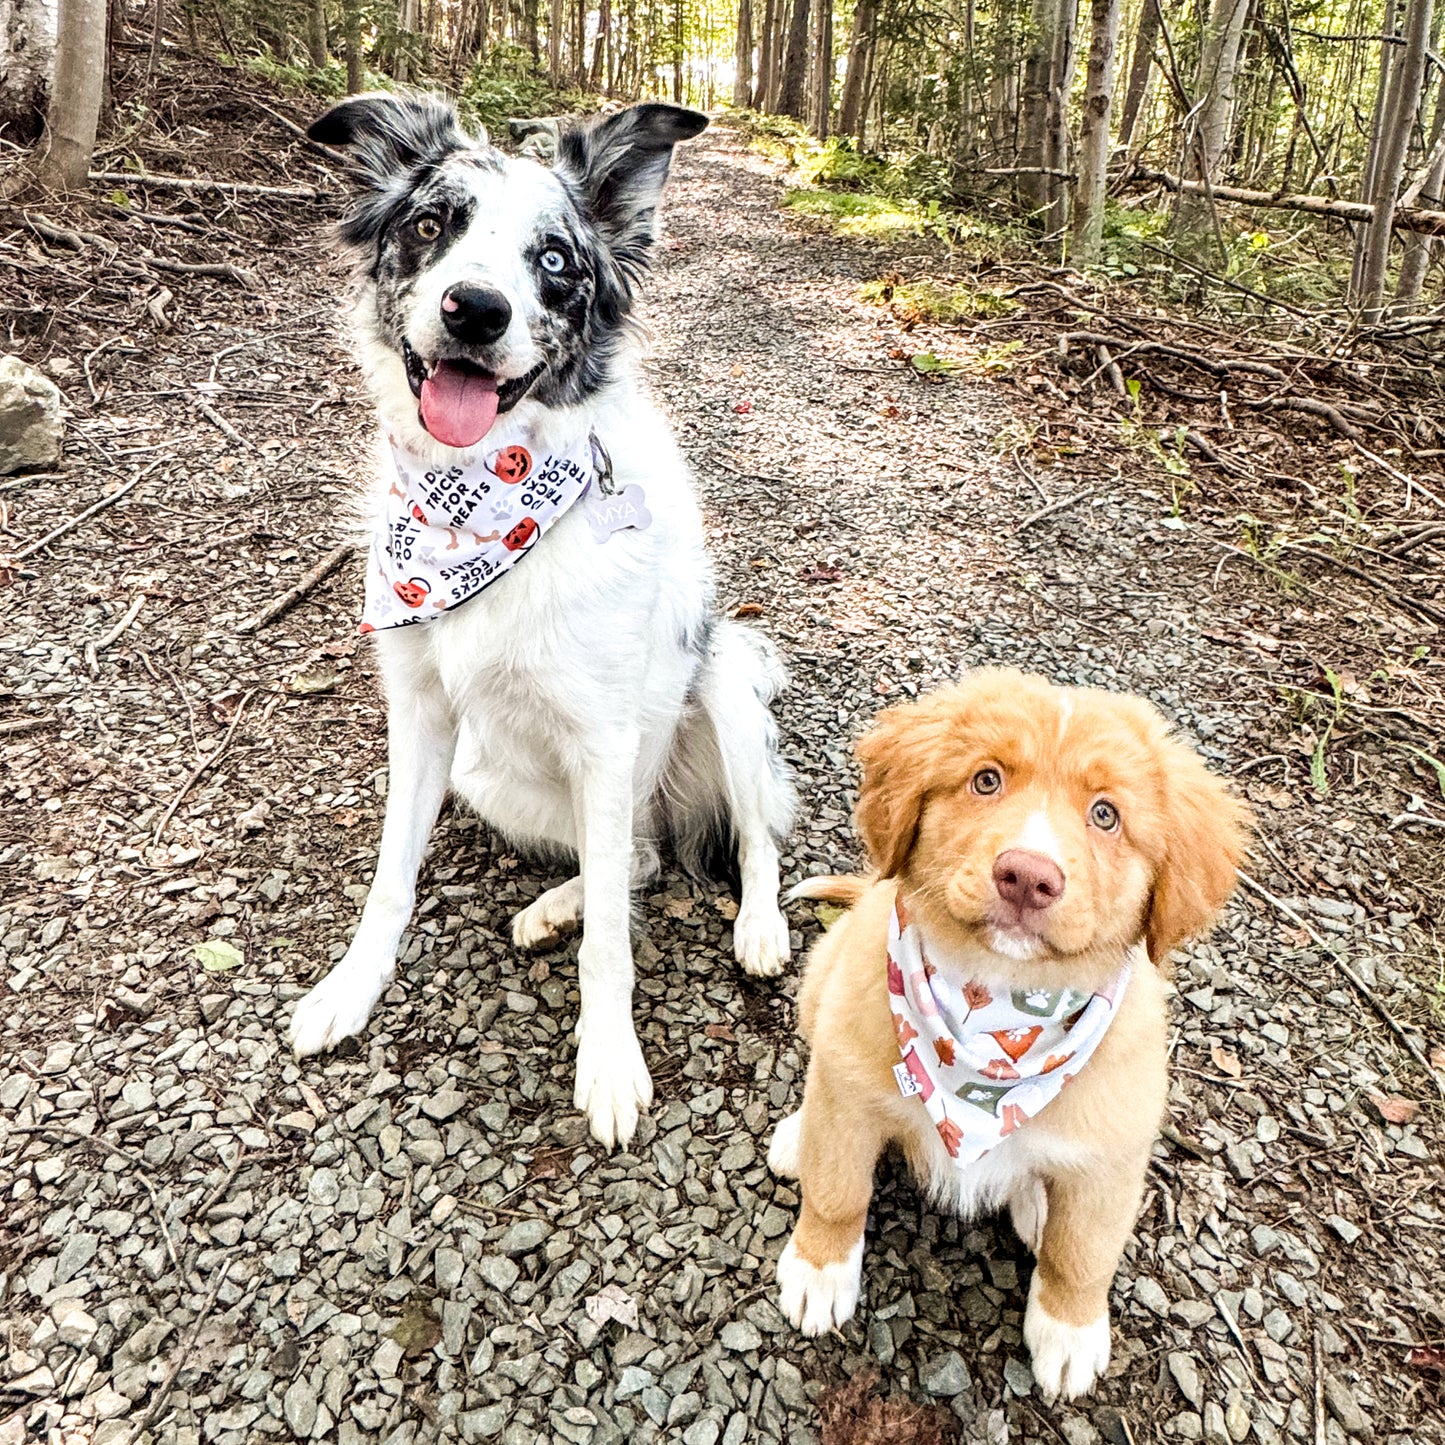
(908, 1086)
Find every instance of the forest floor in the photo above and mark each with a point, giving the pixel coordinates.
(414, 1238)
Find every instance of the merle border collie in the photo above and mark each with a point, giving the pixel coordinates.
(590, 701)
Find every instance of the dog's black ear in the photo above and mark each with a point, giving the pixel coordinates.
(619, 165)
(388, 135)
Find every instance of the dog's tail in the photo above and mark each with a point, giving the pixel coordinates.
(842, 888)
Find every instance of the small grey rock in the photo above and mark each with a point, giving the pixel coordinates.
(1341, 1403)
(945, 1376)
(1186, 1375)
(30, 423)
(740, 1336)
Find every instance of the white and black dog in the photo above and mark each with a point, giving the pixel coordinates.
(591, 700)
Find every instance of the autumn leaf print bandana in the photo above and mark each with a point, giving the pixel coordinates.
(448, 532)
(985, 1060)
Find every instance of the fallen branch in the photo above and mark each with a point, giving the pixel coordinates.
(1364, 990)
(85, 516)
(1063, 504)
(1407, 218)
(1400, 599)
(215, 417)
(94, 649)
(205, 764)
(220, 269)
(18, 727)
(203, 183)
(1215, 366)
(1310, 407)
(292, 595)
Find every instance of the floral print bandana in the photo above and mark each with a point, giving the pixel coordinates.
(448, 532)
(985, 1060)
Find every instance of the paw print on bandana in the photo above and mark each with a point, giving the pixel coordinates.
(501, 511)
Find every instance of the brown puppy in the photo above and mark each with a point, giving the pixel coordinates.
(993, 1003)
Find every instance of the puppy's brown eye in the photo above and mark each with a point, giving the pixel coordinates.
(428, 228)
(1104, 815)
(986, 781)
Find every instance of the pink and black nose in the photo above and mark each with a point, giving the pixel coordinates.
(1028, 880)
(476, 315)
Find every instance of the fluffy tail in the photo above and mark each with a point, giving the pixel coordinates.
(841, 888)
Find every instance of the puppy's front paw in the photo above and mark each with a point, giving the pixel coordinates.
(613, 1085)
(818, 1298)
(783, 1151)
(1066, 1359)
(1028, 1208)
(760, 941)
(547, 919)
(336, 1008)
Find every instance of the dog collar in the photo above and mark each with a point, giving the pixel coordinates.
(982, 1059)
(447, 533)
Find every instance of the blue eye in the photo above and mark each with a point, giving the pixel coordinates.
(552, 261)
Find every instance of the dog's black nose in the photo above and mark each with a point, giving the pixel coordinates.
(476, 314)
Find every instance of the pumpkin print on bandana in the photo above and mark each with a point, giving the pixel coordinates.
(448, 532)
(982, 1062)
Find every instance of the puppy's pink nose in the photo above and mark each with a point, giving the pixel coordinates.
(1026, 879)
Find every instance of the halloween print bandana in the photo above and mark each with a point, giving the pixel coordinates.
(985, 1060)
(448, 532)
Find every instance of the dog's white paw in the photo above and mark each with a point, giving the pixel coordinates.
(760, 941)
(1066, 1359)
(543, 921)
(783, 1151)
(613, 1085)
(1028, 1209)
(817, 1299)
(336, 1008)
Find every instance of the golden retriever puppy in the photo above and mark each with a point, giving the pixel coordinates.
(994, 1000)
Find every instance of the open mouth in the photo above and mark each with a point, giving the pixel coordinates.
(460, 402)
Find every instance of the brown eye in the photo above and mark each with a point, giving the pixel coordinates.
(1104, 815)
(428, 228)
(986, 781)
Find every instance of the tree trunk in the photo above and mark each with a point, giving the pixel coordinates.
(743, 78)
(850, 103)
(602, 47)
(1140, 71)
(1038, 75)
(795, 62)
(1399, 122)
(554, 43)
(1056, 150)
(766, 55)
(316, 33)
(1093, 154)
(1214, 87)
(1420, 249)
(823, 70)
(65, 148)
(355, 64)
(27, 54)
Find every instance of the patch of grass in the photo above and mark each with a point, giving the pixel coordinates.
(856, 213)
(936, 301)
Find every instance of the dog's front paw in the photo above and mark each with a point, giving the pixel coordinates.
(783, 1151)
(1066, 1358)
(760, 941)
(336, 1008)
(818, 1298)
(547, 919)
(613, 1085)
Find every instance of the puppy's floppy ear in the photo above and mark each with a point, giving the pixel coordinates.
(1207, 831)
(618, 166)
(895, 754)
(386, 136)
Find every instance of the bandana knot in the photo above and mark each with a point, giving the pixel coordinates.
(984, 1060)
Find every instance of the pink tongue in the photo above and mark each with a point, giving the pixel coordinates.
(458, 407)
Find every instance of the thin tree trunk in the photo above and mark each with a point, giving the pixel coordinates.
(1140, 71)
(1093, 154)
(1383, 92)
(602, 47)
(795, 62)
(355, 68)
(27, 49)
(554, 43)
(823, 70)
(743, 77)
(850, 103)
(765, 55)
(1206, 137)
(1394, 147)
(1419, 250)
(316, 33)
(65, 148)
(1038, 78)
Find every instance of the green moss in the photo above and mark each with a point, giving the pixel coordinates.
(937, 301)
(856, 213)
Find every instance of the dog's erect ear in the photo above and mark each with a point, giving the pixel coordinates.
(386, 136)
(895, 753)
(1207, 832)
(619, 165)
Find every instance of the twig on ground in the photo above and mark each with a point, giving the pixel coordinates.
(1359, 984)
(215, 417)
(94, 649)
(18, 727)
(71, 523)
(292, 595)
(1400, 599)
(203, 183)
(220, 269)
(1062, 505)
(202, 767)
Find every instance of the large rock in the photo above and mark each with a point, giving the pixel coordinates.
(30, 424)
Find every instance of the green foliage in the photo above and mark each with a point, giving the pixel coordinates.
(329, 81)
(936, 301)
(857, 213)
(506, 86)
